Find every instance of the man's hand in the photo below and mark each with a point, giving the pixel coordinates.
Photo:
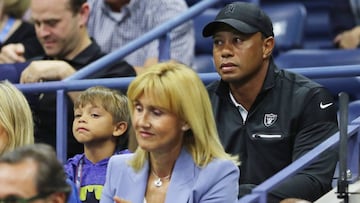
(294, 200)
(46, 70)
(349, 39)
(12, 53)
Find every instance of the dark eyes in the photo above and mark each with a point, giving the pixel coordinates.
(138, 107)
(157, 112)
(235, 40)
(94, 115)
(238, 40)
(50, 23)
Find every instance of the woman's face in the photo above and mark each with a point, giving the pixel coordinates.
(4, 138)
(157, 130)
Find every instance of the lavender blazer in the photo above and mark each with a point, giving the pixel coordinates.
(215, 183)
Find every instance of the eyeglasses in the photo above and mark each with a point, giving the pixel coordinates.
(15, 199)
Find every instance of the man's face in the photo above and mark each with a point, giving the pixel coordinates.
(18, 180)
(237, 56)
(57, 27)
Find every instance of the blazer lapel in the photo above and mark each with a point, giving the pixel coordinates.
(137, 183)
(182, 179)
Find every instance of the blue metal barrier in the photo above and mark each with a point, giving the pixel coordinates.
(74, 85)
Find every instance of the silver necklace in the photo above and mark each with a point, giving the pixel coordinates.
(158, 181)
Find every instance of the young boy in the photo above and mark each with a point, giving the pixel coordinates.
(101, 124)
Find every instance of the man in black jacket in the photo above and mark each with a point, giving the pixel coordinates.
(268, 116)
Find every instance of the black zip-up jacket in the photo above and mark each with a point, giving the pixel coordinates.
(290, 116)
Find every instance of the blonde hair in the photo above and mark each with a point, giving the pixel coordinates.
(16, 8)
(178, 89)
(113, 101)
(15, 117)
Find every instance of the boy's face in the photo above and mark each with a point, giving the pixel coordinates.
(92, 123)
(57, 27)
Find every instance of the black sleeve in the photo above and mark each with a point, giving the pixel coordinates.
(119, 69)
(341, 16)
(318, 122)
(26, 35)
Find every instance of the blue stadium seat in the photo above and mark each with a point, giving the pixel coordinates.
(203, 46)
(317, 29)
(354, 110)
(12, 71)
(317, 57)
(325, 57)
(204, 64)
(288, 22)
(350, 85)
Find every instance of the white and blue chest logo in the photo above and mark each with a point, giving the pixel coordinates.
(270, 119)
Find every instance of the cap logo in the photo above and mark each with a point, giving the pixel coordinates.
(230, 9)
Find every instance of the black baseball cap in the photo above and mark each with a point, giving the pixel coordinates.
(245, 17)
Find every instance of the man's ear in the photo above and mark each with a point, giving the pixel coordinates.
(268, 46)
(84, 14)
(120, 128)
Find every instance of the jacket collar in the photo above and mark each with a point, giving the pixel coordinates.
(84, 58)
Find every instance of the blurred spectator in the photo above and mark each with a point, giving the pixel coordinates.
(13, 29)
(31, 173)
(16, 124)
(101, 124)
(345, 22)
(114, 23)
(61, 29)
(16, 121)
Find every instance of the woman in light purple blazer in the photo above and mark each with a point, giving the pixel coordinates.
(179, 157)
